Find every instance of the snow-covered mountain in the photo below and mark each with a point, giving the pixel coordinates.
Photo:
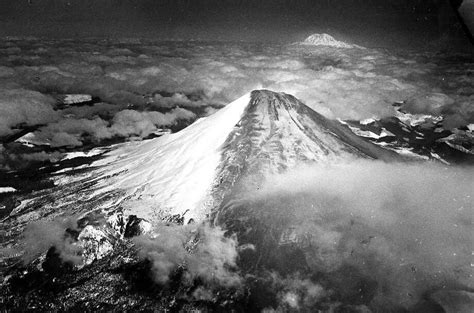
(326, 41)
(190, 172)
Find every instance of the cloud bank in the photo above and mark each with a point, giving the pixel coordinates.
(374, 234)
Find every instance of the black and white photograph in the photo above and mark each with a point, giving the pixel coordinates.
(237, 156)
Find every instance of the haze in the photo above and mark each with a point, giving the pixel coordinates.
(392, 23)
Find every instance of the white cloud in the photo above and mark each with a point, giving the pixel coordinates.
(128, 122)
(68, 132)
(20, 106)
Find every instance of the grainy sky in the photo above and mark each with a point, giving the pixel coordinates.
(397, 21)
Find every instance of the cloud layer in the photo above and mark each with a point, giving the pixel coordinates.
(342, 83)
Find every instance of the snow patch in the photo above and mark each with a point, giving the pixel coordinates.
(369, 134)
(7, 189)
(30, 140)
(417, 119)
(439, 158)
(77, 98)
(367, 121)
(81, 154)
(409, 153)
(95, 243)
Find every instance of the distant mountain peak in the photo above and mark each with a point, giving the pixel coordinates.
(326, 40)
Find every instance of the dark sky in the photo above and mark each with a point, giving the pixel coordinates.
(383, 21)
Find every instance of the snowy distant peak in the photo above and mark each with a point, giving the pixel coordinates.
(326, 40)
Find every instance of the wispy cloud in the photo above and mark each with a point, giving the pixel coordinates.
(203, 251)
